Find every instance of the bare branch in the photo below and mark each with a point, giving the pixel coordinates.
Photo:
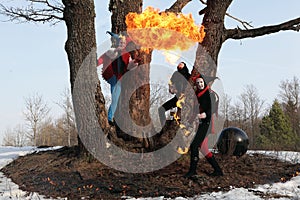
(49, 13)
(178, 6)
(201, 12)
(58, 7)
(238, 33)
(203, 2)
(244, 23)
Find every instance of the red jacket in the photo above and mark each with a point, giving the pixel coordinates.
(110, 66)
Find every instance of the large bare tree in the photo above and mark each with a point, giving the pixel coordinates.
(79, 18)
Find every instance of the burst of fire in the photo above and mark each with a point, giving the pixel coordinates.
(163, 30)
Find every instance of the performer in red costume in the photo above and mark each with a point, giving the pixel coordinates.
(116, 62)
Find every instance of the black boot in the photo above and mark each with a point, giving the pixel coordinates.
(193, 167)
(217, 170)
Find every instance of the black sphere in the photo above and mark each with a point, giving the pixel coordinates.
(233, 141)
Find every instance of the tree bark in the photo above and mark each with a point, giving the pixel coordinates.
(119, 10)
(178, 6)
(208, 51)
(79, 17)
(139, 99)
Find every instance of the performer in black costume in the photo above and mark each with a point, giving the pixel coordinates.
(205, 115)
(179, 81)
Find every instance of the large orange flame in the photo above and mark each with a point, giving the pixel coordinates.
(163, 30)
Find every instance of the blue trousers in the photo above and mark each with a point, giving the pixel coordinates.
(115, 89)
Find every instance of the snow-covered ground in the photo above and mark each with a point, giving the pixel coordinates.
(289, 189)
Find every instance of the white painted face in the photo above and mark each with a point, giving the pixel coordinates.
(200, 83)
(122, 44)
(180, 66)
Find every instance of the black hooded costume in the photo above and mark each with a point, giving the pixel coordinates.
(179, 80)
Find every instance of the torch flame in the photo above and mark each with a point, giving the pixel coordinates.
(187, 133)
(182, 126)
(181, 151)
(180, 101)
(163, 30)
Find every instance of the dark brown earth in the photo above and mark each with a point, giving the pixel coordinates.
(61, 173)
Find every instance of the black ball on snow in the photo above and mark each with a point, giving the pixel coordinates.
(233, 141)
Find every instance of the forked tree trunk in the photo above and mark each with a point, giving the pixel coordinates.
(206, 55)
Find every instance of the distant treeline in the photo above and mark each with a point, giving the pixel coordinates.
(272, 127)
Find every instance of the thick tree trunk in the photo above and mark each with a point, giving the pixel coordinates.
(208, 50)
(132, 115)
(119, 10)
(139, 99)
(79, 18)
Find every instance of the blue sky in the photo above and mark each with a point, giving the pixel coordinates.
(33, 59)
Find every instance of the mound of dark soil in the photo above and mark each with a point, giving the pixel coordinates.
(61, 173)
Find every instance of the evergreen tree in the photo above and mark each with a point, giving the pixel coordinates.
(276, 131)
